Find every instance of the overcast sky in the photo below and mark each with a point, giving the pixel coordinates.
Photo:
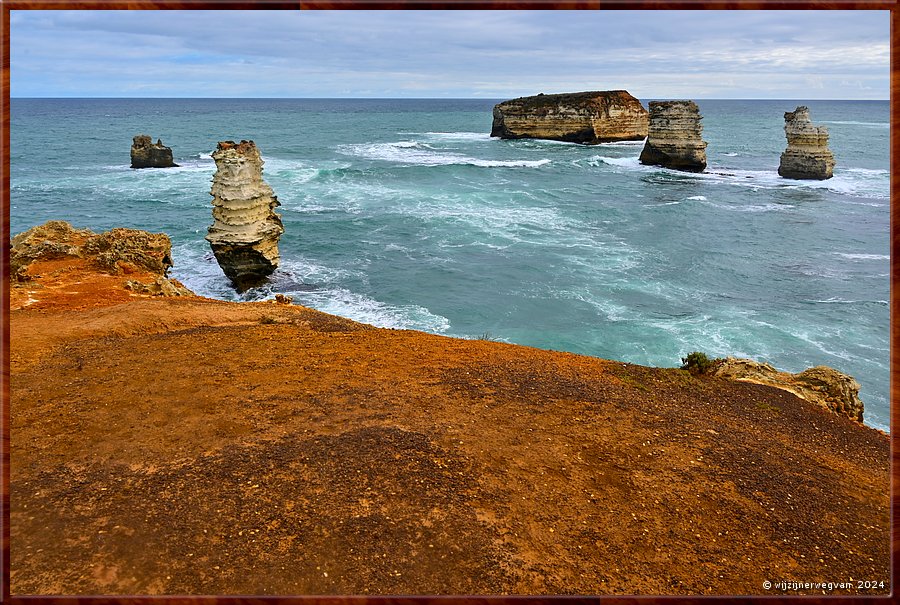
(492, 54)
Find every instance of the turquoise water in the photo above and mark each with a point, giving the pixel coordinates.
(405, 213)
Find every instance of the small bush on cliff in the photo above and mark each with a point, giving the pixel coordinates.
(698, 363)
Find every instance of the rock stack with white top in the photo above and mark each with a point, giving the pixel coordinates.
(245, 232)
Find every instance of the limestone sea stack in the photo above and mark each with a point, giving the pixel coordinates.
(245, 230)
(147, 154)
(674, 140)
(807, 155)
(580, 117)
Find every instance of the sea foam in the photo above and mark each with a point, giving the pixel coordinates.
(416, 153)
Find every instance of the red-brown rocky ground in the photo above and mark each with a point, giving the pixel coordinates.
(189, 446)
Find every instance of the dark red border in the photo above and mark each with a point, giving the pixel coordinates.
(445, 4)
(7, 5)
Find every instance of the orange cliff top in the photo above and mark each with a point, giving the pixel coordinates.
(168, 444)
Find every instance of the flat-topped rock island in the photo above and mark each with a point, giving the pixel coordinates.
(578, 117)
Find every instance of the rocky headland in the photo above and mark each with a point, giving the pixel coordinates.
(824, 386)
(181, 445)
(147, 154)
(41, 258)
(674, 139)
(581, 117)
(245, 230)
(807, 155)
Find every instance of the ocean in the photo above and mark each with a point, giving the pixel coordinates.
(406, 214)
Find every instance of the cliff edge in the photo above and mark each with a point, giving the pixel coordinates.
(182, 445)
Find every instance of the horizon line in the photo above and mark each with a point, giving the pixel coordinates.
(11, 97)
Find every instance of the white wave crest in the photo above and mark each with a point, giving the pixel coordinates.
(460, 136)
(841, 301)
(863, 256)
(412, 153)
(854, 182)
(854, 123)
(310, 283)
(624, 143)
(753, 207)
(355, 306)
(631, 162)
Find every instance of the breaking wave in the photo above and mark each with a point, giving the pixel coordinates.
(420, 154)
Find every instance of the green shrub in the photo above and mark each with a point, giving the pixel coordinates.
(698, 363)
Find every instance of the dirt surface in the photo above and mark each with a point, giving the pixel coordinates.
(188, 446)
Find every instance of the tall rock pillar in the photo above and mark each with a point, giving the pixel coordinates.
(245, 230)
(674, 138)
(807, 155)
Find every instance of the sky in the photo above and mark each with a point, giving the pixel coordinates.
(454, 54)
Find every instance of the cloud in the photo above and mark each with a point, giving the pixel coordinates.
(448, 53)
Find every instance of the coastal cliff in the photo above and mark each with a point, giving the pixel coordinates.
(674, 140)
(107, 263)
(824, 386)
(807, 155)
(245, 230)
(581, 117)
(182, 445)
(147, 154)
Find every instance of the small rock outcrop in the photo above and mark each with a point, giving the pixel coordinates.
(147, 154)
(117, 252)
(821, 385)
(674, 140)
(51, 241)
(580, 117)
(245, 230)
(807, 155)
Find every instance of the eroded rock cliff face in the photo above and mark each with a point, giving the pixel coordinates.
(821, 385)
(245, 230)
(807, 155)
(581, 117)
(674, 139)
(147, 154)
(144, 257)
